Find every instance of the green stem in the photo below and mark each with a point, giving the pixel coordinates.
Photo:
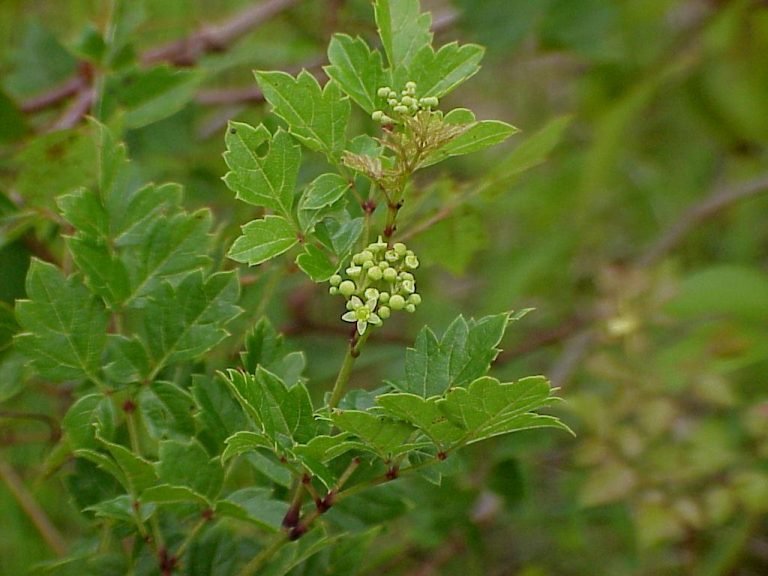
(191, 536)
(353, 351)
(264, 556)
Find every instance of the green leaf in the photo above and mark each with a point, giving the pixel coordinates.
(126, 359)
(265, 347)
(8, 326)
(173, 494)
(454, 241)
(315, 263)
(254, 505)
(296, 553)
(403, 29)
(267, 180)
(167, 411)
(121, 508)
(488, 408)
(263, 239)
(464, 353)
(138, 474)
(477, 136)
(64, 325)
(358, 70)
(105, 463)
(219, 415)
(184, 322)
(148, 96)
(88, 414)
(381, 435)
(283, 414)
(322, 196)
(170, 248)
(423, 413)
(437, 73)
(244, 441)
(534, 150)
(712, 291)
(11, 119)
(315, 116)
(188, 464)
(12, 378)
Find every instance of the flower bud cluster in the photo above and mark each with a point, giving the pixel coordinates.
(403, 104)
(378, 280)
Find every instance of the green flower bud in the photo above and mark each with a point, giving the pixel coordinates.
(393, 101)
(383, 92)
(400, 109)
(410, 87)
(335, 280)
(377, 115)
(384, 312)
(371, 294)
(383, 264)
(408, 286)
(399, 248)
(386, 120)
(369, 264)
(406, 276)
(374, 273)
(414, 299)
(390, 274)
(366, 255)
(407, 101)
(410, 308)
(333, 290)
(354, 271)
(412, 262)
(396, 302)
(384, 297)
(429, 102)
(347, 288)
(391, 256)
(378, 246)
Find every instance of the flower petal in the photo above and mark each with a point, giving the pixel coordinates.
(349, 317)
(361, 326)
(374, 319)
(355, 302)
(371, 304)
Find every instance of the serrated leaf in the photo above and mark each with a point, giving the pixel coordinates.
(138, 473)
(437, 73)
(488, 408)
(255, 505)
(340, 235)
(322, 196)
(283, 414)
(105, 463)
(464, 353)
(316, 116)
(477, 136)
(315, 263)
(244, 441)
(424, 414)
(167, 411)
(188, 464)
(381, 435)
(267, 180)
(219, 415)
(88, 414)
(263, 239)
(357, 69)
(183, 322)
(295, 553)
(64, 325)
(126, 359)
(121, 508)
(170, 248)
(265, 347)
(403, 29)
(173, 494)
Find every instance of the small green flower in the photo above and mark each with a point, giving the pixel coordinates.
(390, 275)
(396, 302)
(375, 273)
(400, 248)
(335, 280)
(383, 92)
(362, 314)
(347, 288)
(414, 299)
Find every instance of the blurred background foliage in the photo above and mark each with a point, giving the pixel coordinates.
(641, 241)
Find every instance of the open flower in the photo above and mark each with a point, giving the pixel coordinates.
(363, 314)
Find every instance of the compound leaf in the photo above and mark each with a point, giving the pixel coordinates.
(404, 31)
(64, 325)
(358, 70)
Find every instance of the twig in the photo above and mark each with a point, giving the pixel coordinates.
(716, 202)
(187, 51)
(76, 111)
(31, 508)
(55, 95)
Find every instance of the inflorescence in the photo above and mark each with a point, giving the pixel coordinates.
(379, 280)
(402, 105)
